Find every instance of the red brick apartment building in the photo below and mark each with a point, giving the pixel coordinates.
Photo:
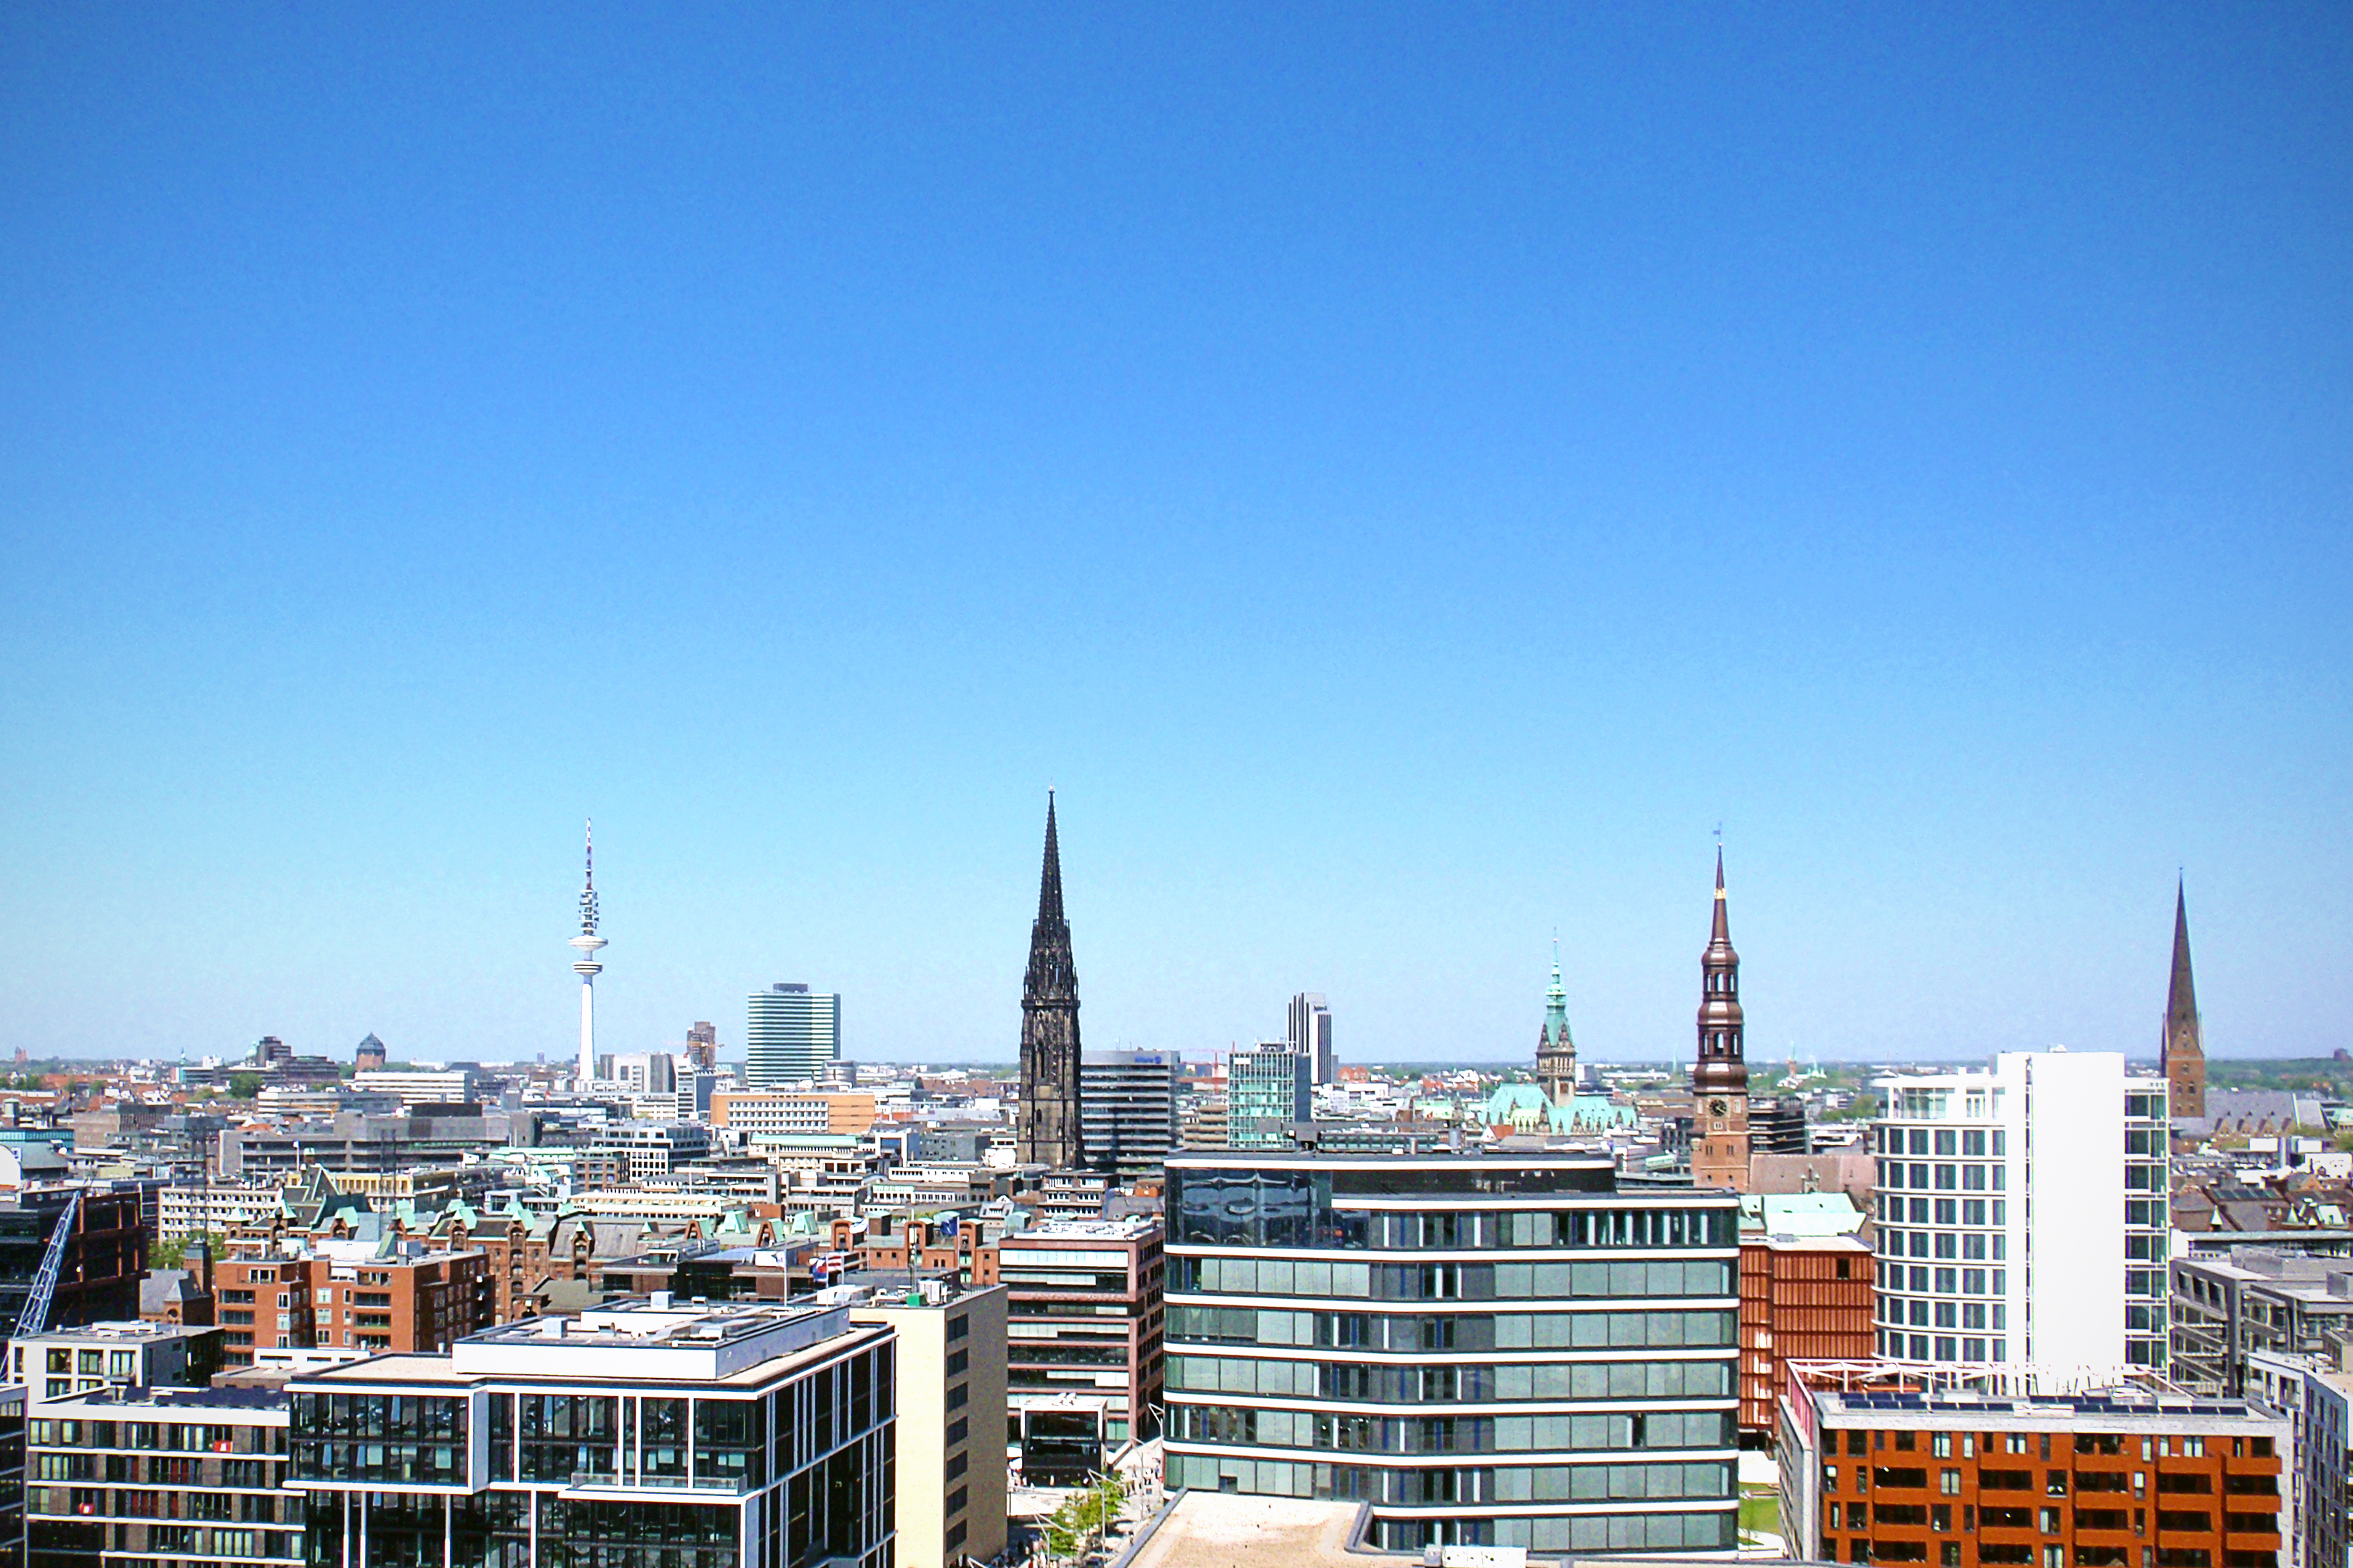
(1802, 1298)
(418, 1303)
(1956, 1477)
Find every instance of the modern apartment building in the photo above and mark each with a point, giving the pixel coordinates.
(145, 1476)
(648, 1434)
(2230, 1308)
(1502, 1350)
(2022, 1213)
(1083, 1341)
(795, 1035)
(111, 1358)
(404, 1298)
(950, 1498)
(1267, 1095)
(1889, 1465)
(1127, 1105)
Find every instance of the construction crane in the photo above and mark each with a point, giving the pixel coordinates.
(34, 1317)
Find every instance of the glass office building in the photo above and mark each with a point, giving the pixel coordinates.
(1267, 1095)
(645, 1434)
(793, 1037)
(1489, 1350)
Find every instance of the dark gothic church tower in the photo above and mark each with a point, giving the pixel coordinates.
(1050, 1133)
(2183, 1050)
(1720, 1077)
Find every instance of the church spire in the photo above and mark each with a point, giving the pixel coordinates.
(2182, 1054)
(2181, 994)
(1053, 974)
(1049, 1133)
(1721, 935)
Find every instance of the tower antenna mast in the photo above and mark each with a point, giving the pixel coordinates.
(586, 966)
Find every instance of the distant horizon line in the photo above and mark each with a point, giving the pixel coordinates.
(1759, 1067)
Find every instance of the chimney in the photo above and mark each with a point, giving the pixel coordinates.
(205, 1257)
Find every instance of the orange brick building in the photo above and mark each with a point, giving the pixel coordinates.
(418, 1303)
(2122, 1479)
(1801, 1298)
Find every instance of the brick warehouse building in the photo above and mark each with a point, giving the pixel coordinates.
(411, 1303)
(1904, 1464)
(1802, 1298)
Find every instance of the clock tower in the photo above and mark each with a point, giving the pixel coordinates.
(1719, 1147)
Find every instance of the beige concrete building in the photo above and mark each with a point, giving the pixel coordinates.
(951, 1482)
(776, 1110)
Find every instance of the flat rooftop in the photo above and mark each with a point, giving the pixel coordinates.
(1222, 1530)
(741, 1344)
(1133, 1228)
(121, 1333)
(152, 1398)
(2095, 1411)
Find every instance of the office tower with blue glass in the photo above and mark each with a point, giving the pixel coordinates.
(795, 1035)
(1489, 1350)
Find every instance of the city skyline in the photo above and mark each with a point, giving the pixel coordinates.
(1407, 477)
(1502, 1056)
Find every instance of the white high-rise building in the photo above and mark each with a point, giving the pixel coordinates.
(2022, 1212)
(795, 1035)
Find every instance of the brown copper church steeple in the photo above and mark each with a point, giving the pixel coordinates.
(1720, 1076)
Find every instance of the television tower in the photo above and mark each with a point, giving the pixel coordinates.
(588, 968)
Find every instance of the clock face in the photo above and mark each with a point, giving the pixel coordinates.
(1716, 1108)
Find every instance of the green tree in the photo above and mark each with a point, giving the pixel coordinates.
(244, 1084)
(178, 1252)
(1082, 1518)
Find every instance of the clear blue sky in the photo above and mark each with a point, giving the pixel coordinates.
(1406, 475)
